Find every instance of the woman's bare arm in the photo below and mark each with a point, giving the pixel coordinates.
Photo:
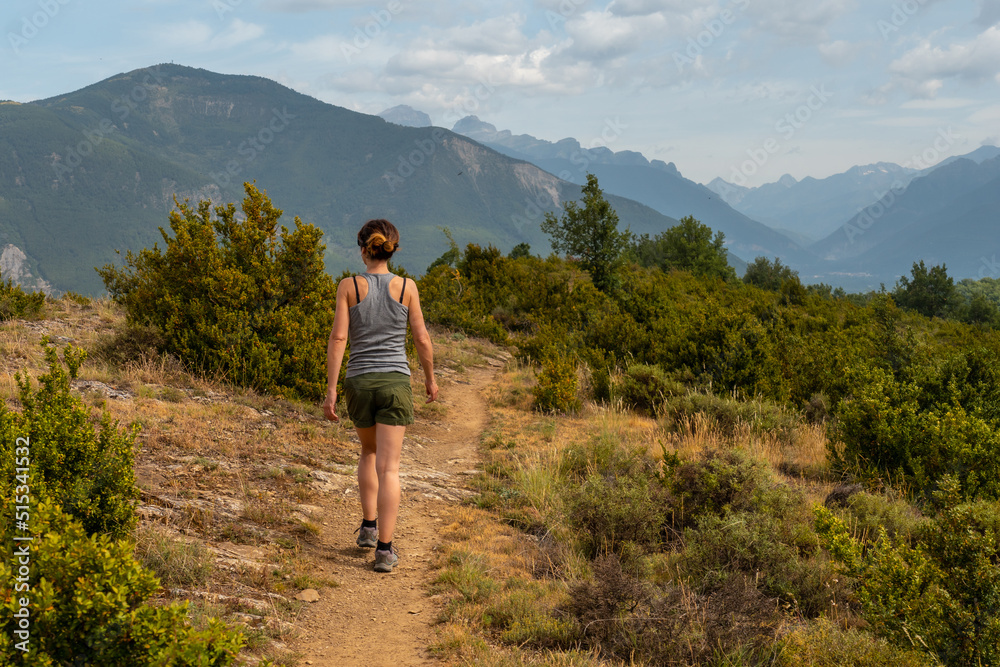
(422, 341)
(335, 348)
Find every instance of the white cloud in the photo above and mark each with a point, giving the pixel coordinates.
(923, 69)
(498, 35)
(990, 114)
(840, 52)
(798, 21)
(237, 33)
(298, 6)
(647, 7)
(602, 35)
(906, 121)
(200, 36)
(189, 34)
(939, 103)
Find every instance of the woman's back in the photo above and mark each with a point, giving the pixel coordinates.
(377, 328)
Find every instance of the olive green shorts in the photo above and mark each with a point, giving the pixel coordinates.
(379, 398)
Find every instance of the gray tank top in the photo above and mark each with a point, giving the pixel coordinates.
(377, 330)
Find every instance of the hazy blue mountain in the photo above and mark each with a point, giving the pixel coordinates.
(927, 198)
(962, 235)
(980, 155)
(654, 183)
(950, 215)
(406, 116)
(812, 208)
(96, 170)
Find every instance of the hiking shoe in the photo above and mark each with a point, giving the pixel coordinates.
(367, 537)
(386, 560)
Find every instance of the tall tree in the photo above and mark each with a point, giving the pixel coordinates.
(930, 292)
(687, 246)
(590, 234)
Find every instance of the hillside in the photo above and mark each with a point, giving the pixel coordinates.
(96, 170)
(642, 475)
(929, 201)
(247, 500)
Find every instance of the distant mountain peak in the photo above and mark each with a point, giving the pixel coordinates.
(787, 180)
(407, 116)
(472, 125)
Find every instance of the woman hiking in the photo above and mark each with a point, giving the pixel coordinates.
(372, 313)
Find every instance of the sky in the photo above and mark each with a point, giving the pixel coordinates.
(746, 90)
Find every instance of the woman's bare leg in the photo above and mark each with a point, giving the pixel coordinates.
(389, 444)
(367, 476)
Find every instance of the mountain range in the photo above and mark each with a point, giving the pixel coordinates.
(97, 170)
(826, 228)
(655, 183)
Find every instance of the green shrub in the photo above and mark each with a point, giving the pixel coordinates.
(129, 343)
(236, 298)
(645, 388)
(917, 432)
(866, 513)
(15, 302)
(616, 514)
(556, 390)
(822, 643)
(727, 415)
(724, 482)
(78, 299)
(603, 456)
(939, 593)
(737, 521)
(87, 471)
(783, 563)
(627, 619)
(87, 604)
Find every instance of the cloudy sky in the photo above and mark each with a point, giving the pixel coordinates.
(742, 89)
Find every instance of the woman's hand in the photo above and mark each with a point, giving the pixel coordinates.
(432, 389)
(330, 406)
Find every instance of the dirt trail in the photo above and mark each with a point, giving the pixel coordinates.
(376, 619)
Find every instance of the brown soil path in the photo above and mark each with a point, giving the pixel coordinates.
(374, 619)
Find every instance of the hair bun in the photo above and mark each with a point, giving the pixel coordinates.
(389, 246)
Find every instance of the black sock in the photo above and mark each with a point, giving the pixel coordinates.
(368, 523)
(383, 546)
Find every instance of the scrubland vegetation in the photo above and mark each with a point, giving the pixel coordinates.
(682, 468)
(699, 470)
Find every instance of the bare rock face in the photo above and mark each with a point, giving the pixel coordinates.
(14, 267)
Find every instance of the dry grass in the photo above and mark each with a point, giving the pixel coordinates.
(522, 451)
(804, 451)
(198, 445)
